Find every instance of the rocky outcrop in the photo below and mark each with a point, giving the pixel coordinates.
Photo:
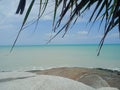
(107, 77)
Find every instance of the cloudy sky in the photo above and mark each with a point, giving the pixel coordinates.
(81, 33)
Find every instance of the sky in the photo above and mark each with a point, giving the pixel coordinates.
(81, 33)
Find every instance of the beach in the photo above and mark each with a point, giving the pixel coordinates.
(62, 78)
(75, 73)
(47, 67)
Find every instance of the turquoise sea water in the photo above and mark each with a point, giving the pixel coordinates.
(48, 56)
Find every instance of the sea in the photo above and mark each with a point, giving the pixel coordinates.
(39, 57)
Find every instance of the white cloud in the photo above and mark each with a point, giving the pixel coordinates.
(7, 15)
(48, 14)
(113, 35)
(83, 32)
(50, 34)
(47, 17)
(11, 21)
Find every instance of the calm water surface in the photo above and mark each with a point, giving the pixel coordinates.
(42, 57)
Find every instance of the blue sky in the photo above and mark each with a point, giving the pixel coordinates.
(10, 24)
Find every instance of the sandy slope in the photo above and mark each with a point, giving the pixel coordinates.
(75, 73)
(44, 82)
(31, 81)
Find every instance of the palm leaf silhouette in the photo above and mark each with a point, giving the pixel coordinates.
(21, 7)
(108, 10)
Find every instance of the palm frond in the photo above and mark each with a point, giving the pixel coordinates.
(108, 10)
(24, 21)
(21, 7)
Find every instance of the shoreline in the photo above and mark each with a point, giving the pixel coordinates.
(116, 69)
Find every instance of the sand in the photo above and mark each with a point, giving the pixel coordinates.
(44, 82)
(59, 79)
(111, 77)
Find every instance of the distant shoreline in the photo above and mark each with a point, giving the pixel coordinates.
(101, 69)
(114, 70)
(97, 44)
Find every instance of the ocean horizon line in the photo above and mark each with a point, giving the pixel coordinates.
(59, 45)
(59, 55)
